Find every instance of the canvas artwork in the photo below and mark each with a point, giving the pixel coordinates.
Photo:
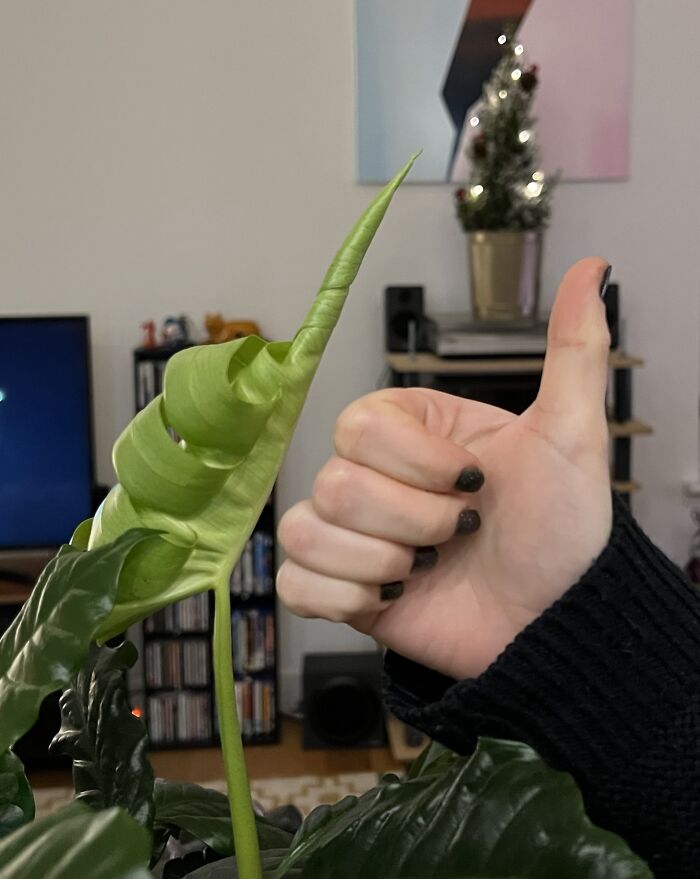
(421, 68)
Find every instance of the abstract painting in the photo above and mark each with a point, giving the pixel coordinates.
(421, 67)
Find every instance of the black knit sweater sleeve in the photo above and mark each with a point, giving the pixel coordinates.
(605, 685)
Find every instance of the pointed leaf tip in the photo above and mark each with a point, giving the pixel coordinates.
(324, 313)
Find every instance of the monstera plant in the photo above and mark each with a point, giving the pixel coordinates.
(174, 526)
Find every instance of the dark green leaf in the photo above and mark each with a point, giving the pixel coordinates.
(47, 642)
(77, 843)
(226, 869)
(107, 744)
(500, 813)
(205, 814)
(16, 800)
(432, 760)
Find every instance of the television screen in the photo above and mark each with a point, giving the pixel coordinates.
(45, 430)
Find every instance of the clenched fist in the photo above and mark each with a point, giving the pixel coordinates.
(442, 527)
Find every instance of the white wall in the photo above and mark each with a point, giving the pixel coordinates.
(159, 156)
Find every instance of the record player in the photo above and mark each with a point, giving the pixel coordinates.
(458, 335)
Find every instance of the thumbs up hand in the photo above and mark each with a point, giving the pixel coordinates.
(443, 527)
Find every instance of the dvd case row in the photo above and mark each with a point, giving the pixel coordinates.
(177, 664)
(149, 381)
(253, 640)
(179, 717)
(255, 700)
(254, 574)
(190, 615)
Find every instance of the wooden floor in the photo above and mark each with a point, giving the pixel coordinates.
(264, 761)
(274, 761)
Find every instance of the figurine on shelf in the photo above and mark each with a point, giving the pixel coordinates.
(175, 331)
(149, 334)
(220, 330)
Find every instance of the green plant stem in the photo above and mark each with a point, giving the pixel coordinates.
(245, 835)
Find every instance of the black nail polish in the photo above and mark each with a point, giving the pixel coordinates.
(391, 591)
(468, 522)
(426, 557)
(470, 479)
(604, 283)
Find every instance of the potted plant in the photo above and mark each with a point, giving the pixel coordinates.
(505, 206)
(174, 527)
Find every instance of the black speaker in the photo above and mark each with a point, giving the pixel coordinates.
(404, 319)
(612, 313)
(342, 700)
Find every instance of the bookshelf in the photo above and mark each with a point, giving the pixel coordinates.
(173, 686)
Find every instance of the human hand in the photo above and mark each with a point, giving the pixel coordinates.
(407, 474)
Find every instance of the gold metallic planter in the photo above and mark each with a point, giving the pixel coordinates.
(504, 269)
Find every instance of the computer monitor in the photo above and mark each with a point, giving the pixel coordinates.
(46, 446)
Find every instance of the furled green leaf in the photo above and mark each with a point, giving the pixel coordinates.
(205, 814)
(107, 744)
(47, 642)
(16, 800)
(234, 406)
(227, 869)
(77, 843)
(500, 813)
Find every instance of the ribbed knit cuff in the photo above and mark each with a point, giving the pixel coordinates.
(603, 684)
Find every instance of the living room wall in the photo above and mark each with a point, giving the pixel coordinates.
(167, 156)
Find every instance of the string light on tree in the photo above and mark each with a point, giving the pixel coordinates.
(507, 188)
(533, 189)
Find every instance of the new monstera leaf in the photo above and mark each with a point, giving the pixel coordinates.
(234, 407)
(197, 466)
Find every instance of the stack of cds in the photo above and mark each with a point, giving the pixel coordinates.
(254, 575)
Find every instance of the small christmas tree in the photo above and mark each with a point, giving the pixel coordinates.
(507, 189)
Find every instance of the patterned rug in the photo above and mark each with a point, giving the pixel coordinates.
(303, 791)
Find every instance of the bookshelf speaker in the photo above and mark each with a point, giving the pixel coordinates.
(342, 700)
(404, 320)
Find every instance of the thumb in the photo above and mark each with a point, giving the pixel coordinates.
(575, 373)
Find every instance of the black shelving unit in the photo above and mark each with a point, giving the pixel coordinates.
(173, 686)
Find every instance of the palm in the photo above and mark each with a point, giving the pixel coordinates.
(549, 515)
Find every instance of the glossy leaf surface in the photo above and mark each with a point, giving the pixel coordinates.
(107, 744)
(234, 406)
(16, 800)
(227, 869)
(47, 642)
(77, 843)
(499, 813)
(205, 814)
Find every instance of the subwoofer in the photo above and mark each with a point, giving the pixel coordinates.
(342, 700)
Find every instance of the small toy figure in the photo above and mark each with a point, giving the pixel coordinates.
(220, 330)
(175, 330)
(149, 334)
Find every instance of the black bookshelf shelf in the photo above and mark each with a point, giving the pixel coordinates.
(175, 687)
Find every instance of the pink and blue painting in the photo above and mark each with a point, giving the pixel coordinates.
(421, 67)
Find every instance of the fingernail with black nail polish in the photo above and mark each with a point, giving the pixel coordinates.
(470, 479)
(426, 557)
(604, 283)
(391, 591)
(468, 522)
